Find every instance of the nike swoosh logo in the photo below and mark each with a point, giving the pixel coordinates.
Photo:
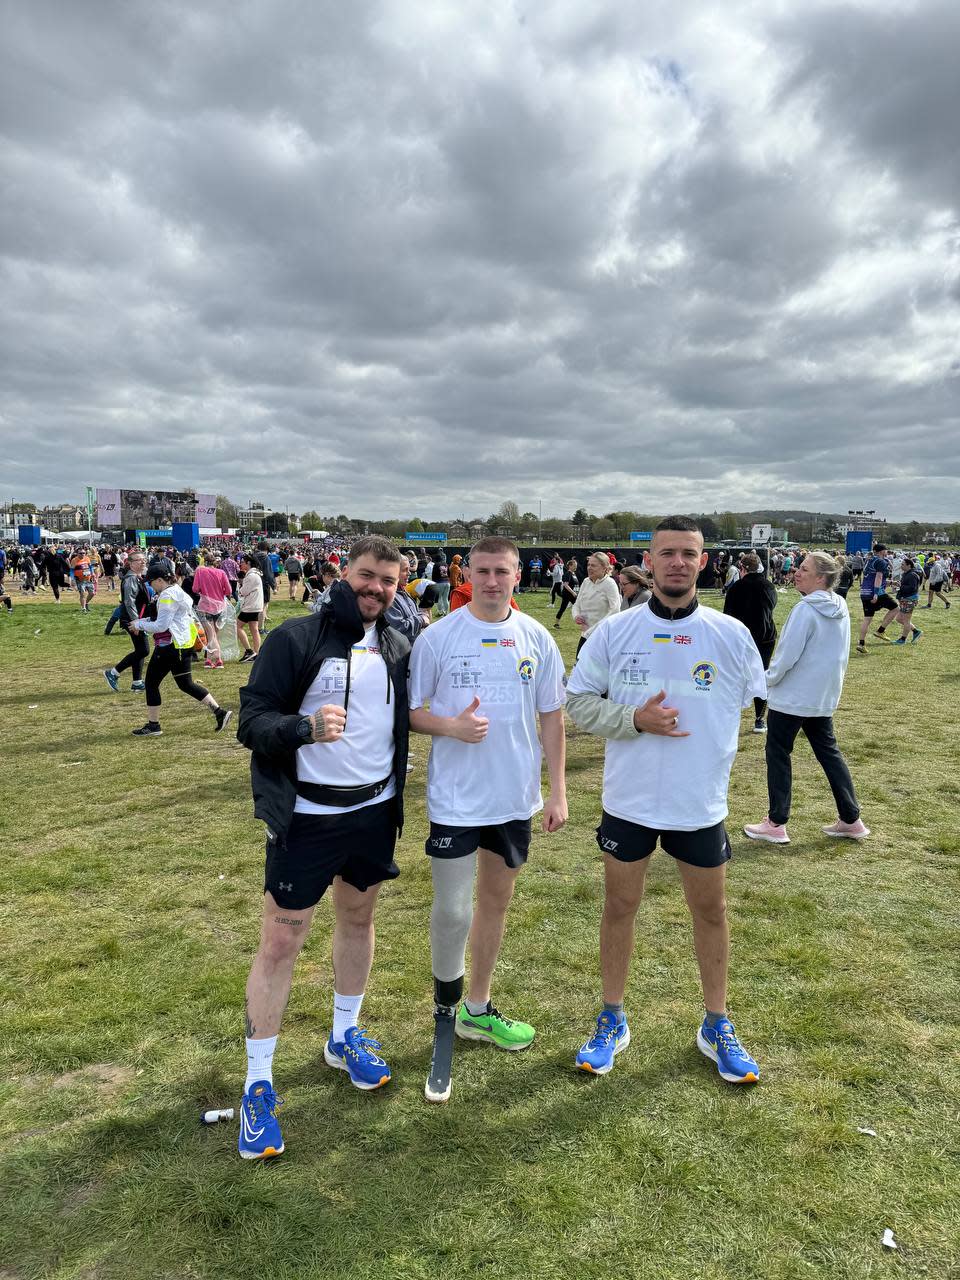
(250, 1135)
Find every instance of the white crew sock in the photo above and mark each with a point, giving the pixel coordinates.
(260, 1060)
(114, 672)
(346, 1012)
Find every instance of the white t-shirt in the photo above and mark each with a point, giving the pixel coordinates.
(515, 669)
(710, 669)
(365, 752)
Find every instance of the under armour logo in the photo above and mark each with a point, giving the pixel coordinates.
(283, 886)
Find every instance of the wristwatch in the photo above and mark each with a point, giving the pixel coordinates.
(305, 729)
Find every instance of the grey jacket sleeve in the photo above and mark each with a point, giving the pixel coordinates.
(600, 716)
(129, 587)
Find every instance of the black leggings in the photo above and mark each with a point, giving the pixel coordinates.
(169, 660)
(564, 601)
(782, 730)
(136, 657)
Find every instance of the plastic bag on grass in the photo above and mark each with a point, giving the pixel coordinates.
(227, 633)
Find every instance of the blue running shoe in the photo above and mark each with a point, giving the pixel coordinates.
(610, 1038)
(720, 1045)
(917, 633)
(111, 680)
(259, 1131)
(356, 1054)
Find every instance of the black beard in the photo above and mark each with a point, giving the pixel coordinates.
(672, 593)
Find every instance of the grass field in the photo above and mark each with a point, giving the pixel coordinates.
(132, 877)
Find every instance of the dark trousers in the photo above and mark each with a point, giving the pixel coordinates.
(565, 600)
(168, 660)
(137, 655)
(766, 653)
(782, 730)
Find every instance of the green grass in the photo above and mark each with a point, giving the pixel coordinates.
(131, 883)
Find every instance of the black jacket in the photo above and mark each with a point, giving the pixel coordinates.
(752, 600)
(270, 704)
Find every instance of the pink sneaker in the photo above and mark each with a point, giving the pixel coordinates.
(769, 831)
(219, 663)
(847, 830)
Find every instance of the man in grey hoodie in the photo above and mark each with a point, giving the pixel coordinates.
(804, 682)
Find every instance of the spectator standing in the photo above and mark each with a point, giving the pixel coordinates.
(598, 597)
(752, 600)
(804, 683)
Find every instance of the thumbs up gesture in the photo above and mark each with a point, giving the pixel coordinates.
(468, 726)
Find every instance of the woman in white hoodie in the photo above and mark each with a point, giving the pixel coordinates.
(804, 680)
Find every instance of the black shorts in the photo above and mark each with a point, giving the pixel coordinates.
(511, 840)
(871, 606)
(294, 577)
(267, 592)
(356, 846)
(248, 617)
(631, 842)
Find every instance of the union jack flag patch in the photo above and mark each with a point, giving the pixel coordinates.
(682, 639)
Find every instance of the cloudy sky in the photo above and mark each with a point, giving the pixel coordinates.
(391, 257)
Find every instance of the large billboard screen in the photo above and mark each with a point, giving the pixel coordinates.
(154, 508)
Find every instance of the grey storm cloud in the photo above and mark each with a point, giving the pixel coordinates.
(388, 259)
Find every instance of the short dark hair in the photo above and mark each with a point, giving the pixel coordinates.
(495, 546)
(881, 546)
(373, 544)
(677, 524)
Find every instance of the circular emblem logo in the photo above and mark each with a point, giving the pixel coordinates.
(525, 669)
(704, 674)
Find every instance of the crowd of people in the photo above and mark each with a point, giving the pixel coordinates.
(393, 643)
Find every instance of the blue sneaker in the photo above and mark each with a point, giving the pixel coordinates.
(720, 1045)
(917, 633)
(111, 680)
(259, 1131)
(902, 640)
(356, 1055)
(610, 1038)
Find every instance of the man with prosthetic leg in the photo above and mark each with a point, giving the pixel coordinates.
(664, 683)
(325, 714)
(479, 680)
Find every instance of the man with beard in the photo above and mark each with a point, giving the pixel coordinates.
(666, 773)
(326, 716)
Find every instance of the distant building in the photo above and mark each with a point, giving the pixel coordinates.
(65, 515)
(253, 516)
(14, 519)
(861, 522)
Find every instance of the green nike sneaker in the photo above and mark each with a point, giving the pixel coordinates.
(493, 1026)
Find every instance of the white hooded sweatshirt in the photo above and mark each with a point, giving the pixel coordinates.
(806, 673)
